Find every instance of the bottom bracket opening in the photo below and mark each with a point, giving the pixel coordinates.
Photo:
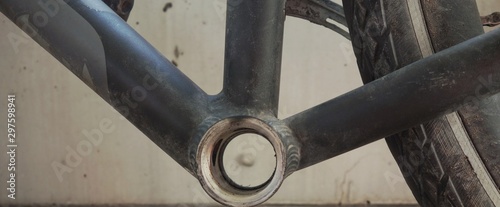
(248, 161)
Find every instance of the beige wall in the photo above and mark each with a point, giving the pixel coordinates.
(54, 108)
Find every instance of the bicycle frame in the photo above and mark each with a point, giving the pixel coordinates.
(193, 127)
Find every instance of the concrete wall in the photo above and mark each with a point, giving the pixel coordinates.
(54, 109)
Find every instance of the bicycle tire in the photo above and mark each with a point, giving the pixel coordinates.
(452, 160)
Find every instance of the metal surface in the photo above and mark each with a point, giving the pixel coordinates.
(212, 174)
(322, 12)
(194, 128)
(252, 65)
(249, 102)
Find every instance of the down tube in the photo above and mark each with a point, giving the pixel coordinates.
(118, 64)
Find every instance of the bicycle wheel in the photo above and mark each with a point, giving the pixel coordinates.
(452, 160)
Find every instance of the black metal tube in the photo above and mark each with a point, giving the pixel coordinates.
(417, 93)
(254, 41)
(123, 68)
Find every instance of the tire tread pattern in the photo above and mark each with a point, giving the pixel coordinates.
(428, 155)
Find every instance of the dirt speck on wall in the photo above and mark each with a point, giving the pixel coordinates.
(167, 6)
